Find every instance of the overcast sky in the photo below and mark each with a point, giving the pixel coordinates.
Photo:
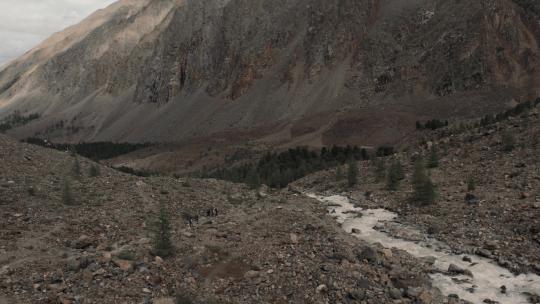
(25, 23)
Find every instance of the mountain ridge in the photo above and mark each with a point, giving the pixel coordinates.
(174, 70)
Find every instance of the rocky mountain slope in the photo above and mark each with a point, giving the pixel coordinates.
(320, 72)
(260, 247)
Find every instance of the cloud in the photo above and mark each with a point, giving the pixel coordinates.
(25, 23)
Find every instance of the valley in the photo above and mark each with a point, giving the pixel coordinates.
(275, 151)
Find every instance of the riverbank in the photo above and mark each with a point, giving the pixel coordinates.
(470, 277)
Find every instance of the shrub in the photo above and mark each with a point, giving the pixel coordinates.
(76, 167)
(339, 174)
(126, 255)
(394, 176)
(163, 246)
(253, 180)
(383, 151)
(424, 189)
(67, 195)
(352, 173)
(94, 171)
(380, 170)
(471, 184)
(508, 141)
(433, 158)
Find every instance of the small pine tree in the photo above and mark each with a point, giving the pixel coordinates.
(163, 246)
(67, 195)
(339, 174)
(94, 171)
(253, 179)
(508, 141)
(398, 167)
(433, 158)
(393, 177)
(424, 189)
(380, 170)
(471, 184)
(76, 167)
(352, 173)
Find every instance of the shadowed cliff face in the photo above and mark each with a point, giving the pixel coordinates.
(170, 70)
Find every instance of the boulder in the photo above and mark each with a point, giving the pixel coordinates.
(164, 301)
(456, 270)
(471, 199)
(123, 264)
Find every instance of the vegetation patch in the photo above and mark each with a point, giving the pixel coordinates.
(95, 151)
(16, 120)
(277, 170)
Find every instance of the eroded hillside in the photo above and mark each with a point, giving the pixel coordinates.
(170, 70)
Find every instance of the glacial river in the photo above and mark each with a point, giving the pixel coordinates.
(487, 278)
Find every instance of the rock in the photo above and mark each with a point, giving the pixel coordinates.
(503, 289)
(83, 242)
(146, 290)
(425, 297)
(188, 234)
(123, 264)
(73, 265)
(387, 253)
(525, 195)
(471, 199)
(491, 245)
(467, 259)
(158, 260)
(322, 288)
(484, 253)
(164, 301)
(357, 295)
(395, 293)
(356, 231)
(368, 254)
(251, 274)
(456, 270)
(107, 257)
(294, 238)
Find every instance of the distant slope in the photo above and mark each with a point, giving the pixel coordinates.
(175, 69)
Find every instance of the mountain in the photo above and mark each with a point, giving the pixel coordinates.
(304, 71)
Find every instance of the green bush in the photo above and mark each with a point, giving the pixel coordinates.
(424, 189)
(508, 141)
(394, 176)
(380, 170)
(352, 173)
(94, 171)
(339, 174)
(433, 158)
(163, 246)
(67, 195)
(76, 167)
(471, 184)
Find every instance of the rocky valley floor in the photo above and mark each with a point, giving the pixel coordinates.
(262, 247)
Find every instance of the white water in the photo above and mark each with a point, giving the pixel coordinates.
(487, 276)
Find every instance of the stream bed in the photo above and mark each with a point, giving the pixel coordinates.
(487, 277)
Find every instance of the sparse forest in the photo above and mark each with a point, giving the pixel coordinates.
(279, 169)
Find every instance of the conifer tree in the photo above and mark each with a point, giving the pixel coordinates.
(67, 195)
(433, 158)
(380, 170)
(163, 246)
(94, 171)
(424, 189)
(352, 173)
